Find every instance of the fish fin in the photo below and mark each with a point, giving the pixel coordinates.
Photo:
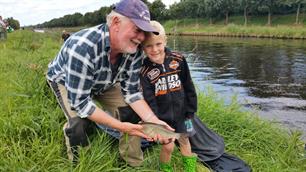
(152, 123)
(182, 135)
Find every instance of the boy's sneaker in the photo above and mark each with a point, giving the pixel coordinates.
(165, 167)
(189, 163)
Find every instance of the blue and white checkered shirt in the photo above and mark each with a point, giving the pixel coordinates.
(83, 67)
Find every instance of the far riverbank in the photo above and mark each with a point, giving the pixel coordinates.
(200, 27)
(282, 27)
(232, 30)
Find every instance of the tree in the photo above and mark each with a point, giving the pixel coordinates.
(87, 18)
(177, 11)
(190, 7)
(193, 9)
(102, 13)
(200, 10)
(212, 8)
(226, 7)
(158, 10)
(298, 4)
(269, 6)
(248, 6)
(13, 23)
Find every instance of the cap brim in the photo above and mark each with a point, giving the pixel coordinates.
(145, 26)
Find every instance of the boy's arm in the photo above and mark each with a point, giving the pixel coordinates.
(189, 89)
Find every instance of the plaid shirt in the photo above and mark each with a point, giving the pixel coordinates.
(84, 67)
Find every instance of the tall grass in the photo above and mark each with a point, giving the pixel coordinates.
(31, 122)
(264, 145)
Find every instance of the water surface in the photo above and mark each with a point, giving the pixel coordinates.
(268, 75)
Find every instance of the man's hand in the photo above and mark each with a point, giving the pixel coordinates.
(134, 130)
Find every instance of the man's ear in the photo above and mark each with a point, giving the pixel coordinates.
(116, 23)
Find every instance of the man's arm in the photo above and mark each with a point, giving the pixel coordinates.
(101, 117)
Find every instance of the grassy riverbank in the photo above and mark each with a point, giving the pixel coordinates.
(31, 122)
(282, 27)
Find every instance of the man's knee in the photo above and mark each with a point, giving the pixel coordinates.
(77, 131)
(130, 150)
(127, 114)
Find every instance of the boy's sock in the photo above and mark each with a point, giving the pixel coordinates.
(189, 163)
(165, 167)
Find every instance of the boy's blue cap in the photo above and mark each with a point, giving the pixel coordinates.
(138, 12)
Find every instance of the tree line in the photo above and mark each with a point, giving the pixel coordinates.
(211, 9)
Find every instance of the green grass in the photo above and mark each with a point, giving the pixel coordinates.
(263, 145)
(31, 122)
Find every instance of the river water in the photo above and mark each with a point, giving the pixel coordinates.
(266, 75)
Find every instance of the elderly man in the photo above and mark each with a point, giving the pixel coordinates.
(103, 63)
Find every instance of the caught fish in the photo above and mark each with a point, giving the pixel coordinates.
(152, 129)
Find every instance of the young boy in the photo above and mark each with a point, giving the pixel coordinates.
(168, 89)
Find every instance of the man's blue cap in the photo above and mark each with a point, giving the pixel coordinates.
(138, 12)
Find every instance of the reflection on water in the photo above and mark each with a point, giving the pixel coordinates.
(266, 73)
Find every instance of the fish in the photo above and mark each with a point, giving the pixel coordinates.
(152, 129)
